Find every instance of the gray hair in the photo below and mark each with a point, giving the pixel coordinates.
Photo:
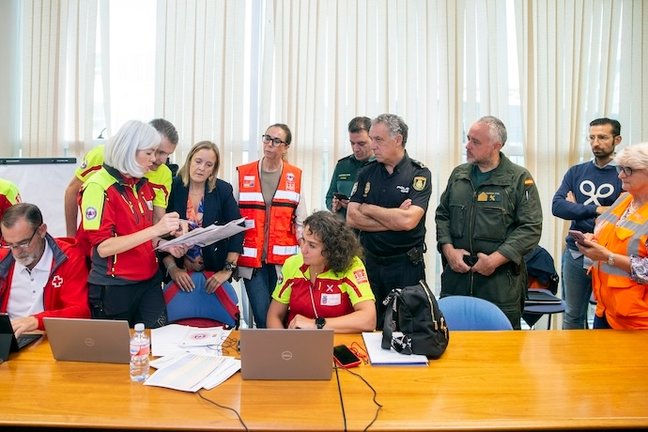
(121, 149)
(394, 123)
(634, 156)
(30, 212)
(496, 128)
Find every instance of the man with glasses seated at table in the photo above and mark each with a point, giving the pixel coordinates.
(586, 191)
(42, 276)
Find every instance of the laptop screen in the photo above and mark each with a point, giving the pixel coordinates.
(286, 354)
(89, 340)
(8, 341)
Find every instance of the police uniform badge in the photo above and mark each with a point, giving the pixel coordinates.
(367, 189)
(419, 183)
(353, 189)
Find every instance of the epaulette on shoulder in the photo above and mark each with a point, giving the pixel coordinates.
(345, 157)
(419, 164)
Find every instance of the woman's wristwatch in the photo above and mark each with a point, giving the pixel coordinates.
(320, 322)
(611, 259)
(230, 266)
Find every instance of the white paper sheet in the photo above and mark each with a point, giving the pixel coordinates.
(204, 236)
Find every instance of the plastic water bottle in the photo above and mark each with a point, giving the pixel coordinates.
(140, 346)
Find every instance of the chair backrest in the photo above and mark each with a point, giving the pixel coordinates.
(200, 309)
(472, 313)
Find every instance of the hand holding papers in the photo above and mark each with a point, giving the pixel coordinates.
(204, 236)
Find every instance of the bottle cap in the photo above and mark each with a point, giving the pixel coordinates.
(139, 327)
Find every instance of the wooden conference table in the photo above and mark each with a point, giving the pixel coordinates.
(536, 380)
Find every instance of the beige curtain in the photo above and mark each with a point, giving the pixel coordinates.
(58, 75)
(579, 60)
(200, 83)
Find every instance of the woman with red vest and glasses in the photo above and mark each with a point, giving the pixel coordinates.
(619, 248)
(271, 199)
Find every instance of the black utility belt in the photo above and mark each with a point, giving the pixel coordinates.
(414, 255)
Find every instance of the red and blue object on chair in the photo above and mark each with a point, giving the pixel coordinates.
(199, 308)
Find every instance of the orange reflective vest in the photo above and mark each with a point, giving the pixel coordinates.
(282, 233)
(622, 299)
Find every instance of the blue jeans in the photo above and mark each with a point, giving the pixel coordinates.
(259, 291)
(577, 290)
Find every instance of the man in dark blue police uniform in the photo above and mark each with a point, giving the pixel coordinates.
(388, 204)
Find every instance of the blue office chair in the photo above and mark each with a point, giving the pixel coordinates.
(472, 313)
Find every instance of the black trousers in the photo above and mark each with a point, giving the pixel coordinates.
(387, 274)
(137, 302)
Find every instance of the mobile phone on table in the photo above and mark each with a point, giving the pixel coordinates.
(340, 196)
(577, 235)
(344, 357)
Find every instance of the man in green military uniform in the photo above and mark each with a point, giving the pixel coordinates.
(488, 218)
(346, 170)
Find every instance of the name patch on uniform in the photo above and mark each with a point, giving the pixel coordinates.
(360, 275)
(489, 197)
(402, 189)
(344, 176)
(91, 213)
(331, 299)
(248, 181)
(419, 183)
(353, 189)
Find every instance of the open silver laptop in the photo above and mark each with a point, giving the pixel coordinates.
(292, 354)
(88, 340)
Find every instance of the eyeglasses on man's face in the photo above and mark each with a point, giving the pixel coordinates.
(276, 142)
(21, 244)
(600, 138)
(628, 171)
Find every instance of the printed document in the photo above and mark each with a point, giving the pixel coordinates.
(204, 236)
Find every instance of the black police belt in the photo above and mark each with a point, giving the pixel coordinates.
(414, 255)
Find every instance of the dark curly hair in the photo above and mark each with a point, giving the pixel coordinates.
(340, 244)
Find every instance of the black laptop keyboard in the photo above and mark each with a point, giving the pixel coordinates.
(26, 339)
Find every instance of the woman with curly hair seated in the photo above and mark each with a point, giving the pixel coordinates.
(326, 284)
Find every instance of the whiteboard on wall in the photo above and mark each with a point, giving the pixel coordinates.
(42, 181)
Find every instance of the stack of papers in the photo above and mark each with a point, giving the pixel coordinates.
(190, 358)
(175, 339)
(380, 356)
(204, 236)
(191, 372)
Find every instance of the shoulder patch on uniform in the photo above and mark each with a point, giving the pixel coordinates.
(418, 163)
(528, 182)
(360, 275)
(419, 183)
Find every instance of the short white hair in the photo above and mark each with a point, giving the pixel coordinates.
(634, 156)
(121, 150)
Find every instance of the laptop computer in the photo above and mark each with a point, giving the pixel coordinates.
(9, 342)
(88, 340)
(286, 354)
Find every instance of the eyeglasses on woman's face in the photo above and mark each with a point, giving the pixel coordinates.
(276, 142)
(627, 171)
